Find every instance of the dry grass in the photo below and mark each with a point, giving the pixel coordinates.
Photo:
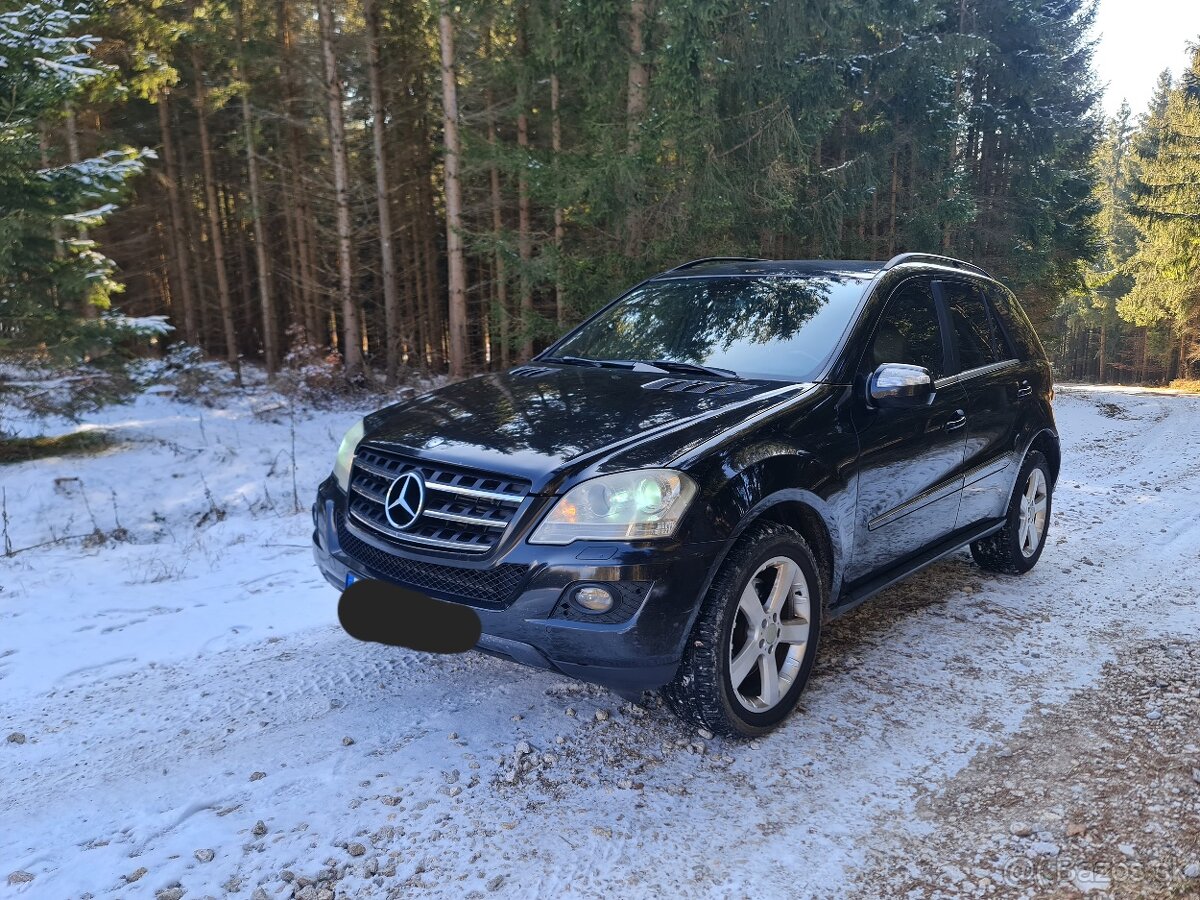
(17, 449)
(1187, 385)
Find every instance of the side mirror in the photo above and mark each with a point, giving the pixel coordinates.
(896, 385)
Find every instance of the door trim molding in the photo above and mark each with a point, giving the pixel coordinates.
(929, 495)
(987, 469)
(989, 369)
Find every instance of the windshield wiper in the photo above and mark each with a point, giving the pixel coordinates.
(575, 361)
(672, 365)
(662, 365)
(593, 363)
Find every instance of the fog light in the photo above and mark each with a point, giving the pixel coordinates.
(594, 599)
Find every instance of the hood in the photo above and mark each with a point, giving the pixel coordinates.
(549, 422)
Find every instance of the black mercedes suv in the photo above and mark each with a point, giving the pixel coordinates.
(682, 490)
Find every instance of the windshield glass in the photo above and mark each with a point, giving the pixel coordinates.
(771, 327)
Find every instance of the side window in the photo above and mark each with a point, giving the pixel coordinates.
(971, 325)
(908, 332)
(1013, 318)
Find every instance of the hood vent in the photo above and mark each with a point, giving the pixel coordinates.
(689, 386)
(529, 371)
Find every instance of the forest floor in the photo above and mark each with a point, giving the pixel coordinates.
(180, 714)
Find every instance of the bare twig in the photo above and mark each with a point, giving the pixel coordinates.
(292, 425)
(8, 547)
(88, 507)
(52, 542)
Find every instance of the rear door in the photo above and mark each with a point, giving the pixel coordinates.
(910, 464)
(1032, 375)
(984, 365)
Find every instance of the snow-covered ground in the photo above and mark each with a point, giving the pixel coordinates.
(188, 719)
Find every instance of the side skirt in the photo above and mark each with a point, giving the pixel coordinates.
(865, 588)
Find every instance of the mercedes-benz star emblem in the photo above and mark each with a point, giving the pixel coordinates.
(404, 501)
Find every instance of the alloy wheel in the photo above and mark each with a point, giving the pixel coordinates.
(1031, 524)
(770, 634)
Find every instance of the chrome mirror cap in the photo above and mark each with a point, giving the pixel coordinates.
(900, 385)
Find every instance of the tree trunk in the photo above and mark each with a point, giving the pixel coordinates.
(352, 338)
(56, 233)
(956, 139)
(179, 247)
(298, 207)
(391, 300)
(524, 236)
(559, 226)
(501, 277)
(71, 126)
(88, 310)
(216, 239)
(266, 301)
(638, 81)
(894, 198)
(875, 223)
(197, 242)
(236, 234)
(639, 75)
(428, 224)
(456, 264)
(1103, 349)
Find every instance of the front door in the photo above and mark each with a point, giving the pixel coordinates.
(911, 462)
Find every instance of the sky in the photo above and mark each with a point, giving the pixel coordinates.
(1138, 39)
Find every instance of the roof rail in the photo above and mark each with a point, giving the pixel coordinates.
(934, 258)
(709, 259)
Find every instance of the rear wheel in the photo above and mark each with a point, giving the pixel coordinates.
(755, 641)
(1016, 548)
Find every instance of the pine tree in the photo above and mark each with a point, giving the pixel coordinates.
(1166, 204)
(1029, 136)
(51, 281)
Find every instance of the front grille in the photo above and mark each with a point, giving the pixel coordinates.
(465, 511)
(496, 586)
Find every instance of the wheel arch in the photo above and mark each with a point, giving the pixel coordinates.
(802, 517)
(1046, 442)
(809, 515)
(781, 483)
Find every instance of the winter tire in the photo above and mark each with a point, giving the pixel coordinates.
(753, 645)
(1016, 548)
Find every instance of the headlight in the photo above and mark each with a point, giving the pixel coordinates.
(628, 506)
(341, 468)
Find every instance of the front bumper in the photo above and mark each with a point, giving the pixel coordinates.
(517, 593)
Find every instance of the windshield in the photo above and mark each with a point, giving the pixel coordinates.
(773, 327)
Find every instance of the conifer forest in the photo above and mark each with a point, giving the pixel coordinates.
(393, 186)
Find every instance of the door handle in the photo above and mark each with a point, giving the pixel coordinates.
(955, 424)
(1024, 389)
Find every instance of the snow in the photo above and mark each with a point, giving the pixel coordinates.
(142, 325)
(156, 671)
(41, 28)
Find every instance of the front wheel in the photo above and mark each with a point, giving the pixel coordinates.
(1016, 548)
(755, 641)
